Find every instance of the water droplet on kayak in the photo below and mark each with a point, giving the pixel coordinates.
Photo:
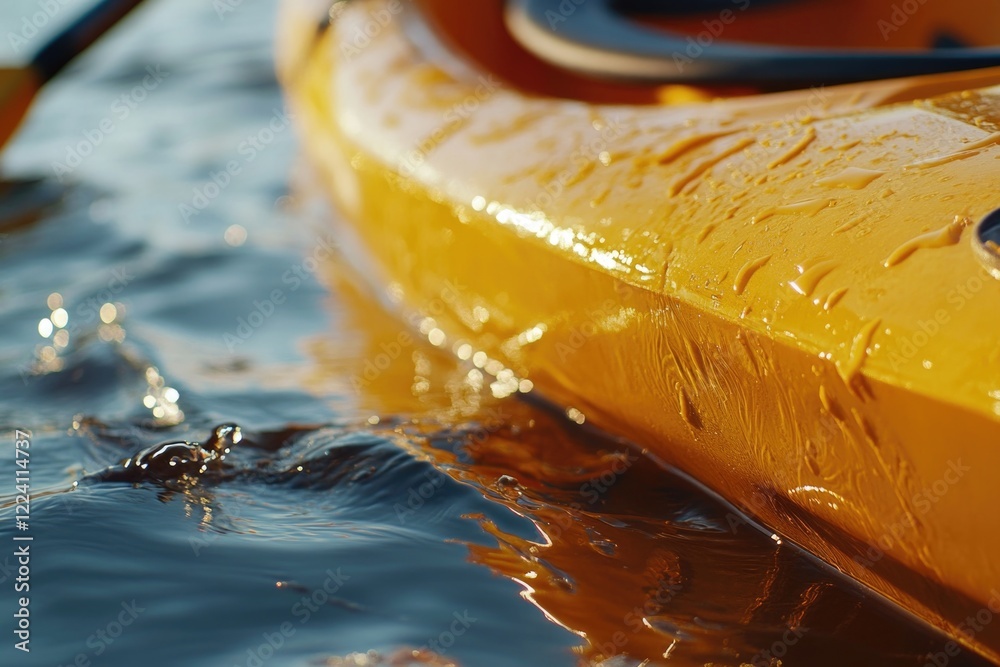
(746, 272)
(681, 146)
(691, 176)
(939, 238)
(850, 224)
(796, 148)
(830, 405)
(807, 207)
(806, 283)
(706, 231)
(687, 409)
(834, 298)
(811, 461)
(965, 151)
(854, 178)
(851, 368)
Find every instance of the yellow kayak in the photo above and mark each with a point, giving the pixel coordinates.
(793, 297)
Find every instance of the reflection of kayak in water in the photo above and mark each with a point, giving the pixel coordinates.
(787, 294)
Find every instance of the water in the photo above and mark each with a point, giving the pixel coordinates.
(396, 509)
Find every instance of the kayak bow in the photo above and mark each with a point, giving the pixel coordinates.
(785, 296)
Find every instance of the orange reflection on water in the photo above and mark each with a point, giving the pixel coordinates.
(636, 560)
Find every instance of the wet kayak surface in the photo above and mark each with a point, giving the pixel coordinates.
(236, 458)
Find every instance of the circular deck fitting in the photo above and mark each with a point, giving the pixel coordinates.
(986, 242)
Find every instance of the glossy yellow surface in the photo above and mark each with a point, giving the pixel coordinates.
(776, 294)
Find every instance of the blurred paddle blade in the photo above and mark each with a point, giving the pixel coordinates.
(17, 90)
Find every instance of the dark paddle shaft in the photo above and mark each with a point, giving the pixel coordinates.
(82, 33)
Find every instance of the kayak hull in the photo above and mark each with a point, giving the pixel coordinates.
(777, 295)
